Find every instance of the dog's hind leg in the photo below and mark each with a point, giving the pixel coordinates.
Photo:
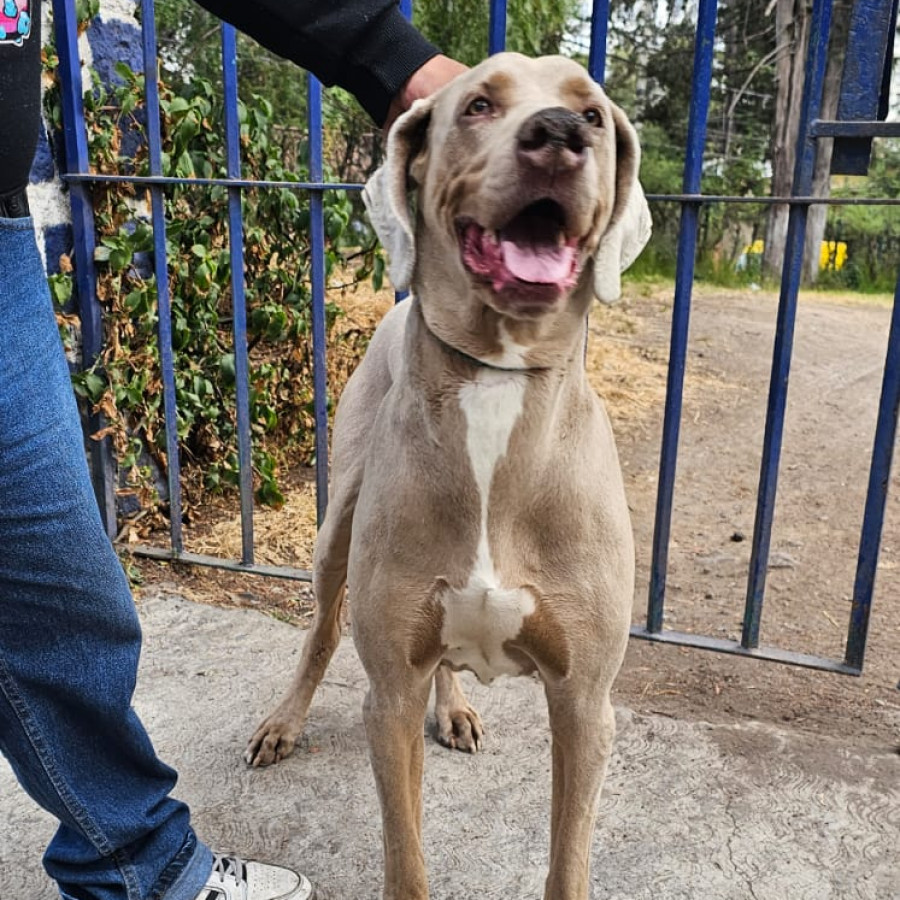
(583, 730)
(458, 724)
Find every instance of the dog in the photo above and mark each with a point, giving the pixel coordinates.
(478, 516)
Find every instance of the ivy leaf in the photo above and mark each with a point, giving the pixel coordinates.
(226, 369)
(61, 288)
(184, 168)
(94, 386)
(120, 259)
(178, 105)
(269, 494)
(378, 272)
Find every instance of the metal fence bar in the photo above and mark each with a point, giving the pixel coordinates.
(828, 128)
(160, 268)
(497, 27)
(599, 30)
(865, 79)
(684, 278)
(771, 201)
(217, 562)
(238, 293)
(876, 498)
(317, 276)
(407, 10)
(820, 29)
(734, 648)
(168, 180)
(89, 311)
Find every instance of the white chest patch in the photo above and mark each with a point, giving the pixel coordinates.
(484, 614)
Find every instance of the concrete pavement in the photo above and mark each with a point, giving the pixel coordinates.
(689, 810)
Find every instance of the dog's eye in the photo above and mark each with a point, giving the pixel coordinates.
(480, 106)
(592, 117)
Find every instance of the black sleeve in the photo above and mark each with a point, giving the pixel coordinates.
(365, 46)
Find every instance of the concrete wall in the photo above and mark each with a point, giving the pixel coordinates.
(112, 36)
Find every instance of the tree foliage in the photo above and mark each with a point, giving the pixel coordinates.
(650, 64)
(872, 233)
(190, 49)
(460, 27)
(648, 73)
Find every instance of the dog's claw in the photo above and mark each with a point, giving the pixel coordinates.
(269, 745)
(460, 729)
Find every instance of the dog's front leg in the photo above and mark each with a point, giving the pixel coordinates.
(394, 714)
(277, 734)
(583, 730)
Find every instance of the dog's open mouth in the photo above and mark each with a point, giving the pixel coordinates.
(531, 252)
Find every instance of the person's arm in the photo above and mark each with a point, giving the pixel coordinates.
(364, 46)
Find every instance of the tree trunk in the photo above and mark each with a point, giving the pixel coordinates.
(791, 40)
(815, 223)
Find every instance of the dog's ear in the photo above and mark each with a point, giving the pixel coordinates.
(386, 194)
(630, 224)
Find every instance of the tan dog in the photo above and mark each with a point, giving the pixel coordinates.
(477, 513)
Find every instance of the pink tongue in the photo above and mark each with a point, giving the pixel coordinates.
(543, 264)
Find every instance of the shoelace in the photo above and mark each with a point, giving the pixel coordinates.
(229, 867)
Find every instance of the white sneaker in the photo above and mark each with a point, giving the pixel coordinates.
(233, 878)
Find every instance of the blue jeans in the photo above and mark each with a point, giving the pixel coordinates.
(69, 633)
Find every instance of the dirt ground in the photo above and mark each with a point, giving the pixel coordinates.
(834, 388)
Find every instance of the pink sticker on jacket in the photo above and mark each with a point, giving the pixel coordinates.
(15, 21)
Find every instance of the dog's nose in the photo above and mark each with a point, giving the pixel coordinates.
(553, 139)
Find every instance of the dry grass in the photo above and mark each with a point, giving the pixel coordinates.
(628, 375)
(282, 537)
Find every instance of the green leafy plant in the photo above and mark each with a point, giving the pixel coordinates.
(126, 383)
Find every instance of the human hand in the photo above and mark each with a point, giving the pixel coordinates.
(433, 75)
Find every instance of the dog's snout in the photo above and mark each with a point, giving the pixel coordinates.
(552, 139)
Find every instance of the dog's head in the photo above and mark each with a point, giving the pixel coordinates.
(526, 189)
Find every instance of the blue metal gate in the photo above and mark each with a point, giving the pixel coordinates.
(859, 120)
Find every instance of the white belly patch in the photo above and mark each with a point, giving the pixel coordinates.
(477, 623)
(482, 615)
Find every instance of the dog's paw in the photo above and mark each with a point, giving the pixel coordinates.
(271, 742)
(460, 729)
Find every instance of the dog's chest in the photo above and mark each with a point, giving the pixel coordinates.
(483, 614)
